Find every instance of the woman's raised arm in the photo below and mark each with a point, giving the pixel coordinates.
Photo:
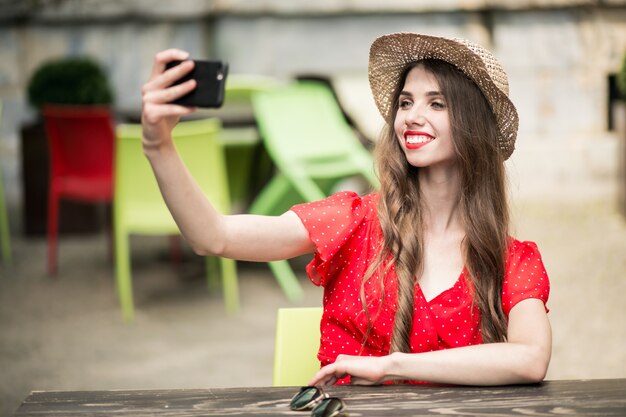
(246, 237)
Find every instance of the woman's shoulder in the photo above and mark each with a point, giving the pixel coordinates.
(341, 208)
(522, 253)
(371, 200)
(518, 248)
(346, 200)
(365, 199)
(368, 204)
(334, 223)
(526, 275)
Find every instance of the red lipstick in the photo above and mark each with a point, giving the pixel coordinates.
(414, 139)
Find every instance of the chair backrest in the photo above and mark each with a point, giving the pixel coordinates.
(296, 346)
(136, 189)
(305, 130)
(81, 140)
(239, 88)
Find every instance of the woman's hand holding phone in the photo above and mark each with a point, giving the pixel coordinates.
(210, 79)
(159, 115)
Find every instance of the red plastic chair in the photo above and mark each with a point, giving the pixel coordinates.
(81, 144)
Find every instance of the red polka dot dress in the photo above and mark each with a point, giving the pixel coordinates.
(346, 232)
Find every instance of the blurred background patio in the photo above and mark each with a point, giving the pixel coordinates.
(567, 180)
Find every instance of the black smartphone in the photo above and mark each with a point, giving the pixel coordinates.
(210, 79)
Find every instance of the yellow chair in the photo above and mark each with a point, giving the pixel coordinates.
(138, 206)
(296, 346)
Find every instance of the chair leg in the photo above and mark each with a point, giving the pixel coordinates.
(270, 195)
(266, 203)
(53, 229)
(231, 286)
(212, 273)
(229, 280)
(109, 231)
(123, 275)
(176, 252)
(287, 280)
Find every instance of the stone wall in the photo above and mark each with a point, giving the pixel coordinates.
(558, 55)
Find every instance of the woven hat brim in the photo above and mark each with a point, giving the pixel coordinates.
(390, 54)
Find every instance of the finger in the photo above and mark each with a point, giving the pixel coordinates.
(328, 375)
(170, 76)
(154, 113)
(360, 381)
(331, 381)
(169, 94)
(315, 380)
(321, 375)
(163, 57)
(324, 381)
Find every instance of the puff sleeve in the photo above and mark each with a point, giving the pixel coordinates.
(525, 276)
(331, 223)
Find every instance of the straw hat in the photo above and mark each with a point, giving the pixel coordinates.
(390, 54)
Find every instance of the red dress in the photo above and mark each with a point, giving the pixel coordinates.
(346, 232)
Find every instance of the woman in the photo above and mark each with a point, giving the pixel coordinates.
(422, 280)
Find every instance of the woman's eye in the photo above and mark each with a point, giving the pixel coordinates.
(404, 104)
(439, 104)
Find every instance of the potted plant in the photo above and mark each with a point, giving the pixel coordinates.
(74, 81)
(70, 81)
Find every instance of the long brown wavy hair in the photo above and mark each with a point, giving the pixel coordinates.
(482, 201)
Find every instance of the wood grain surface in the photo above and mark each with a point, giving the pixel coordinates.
(606, 397)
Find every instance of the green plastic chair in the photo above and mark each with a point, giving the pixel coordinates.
(5, 232)
(240, 87)
(138, 206)
(296, 345)
(312, 147)
(240, 137)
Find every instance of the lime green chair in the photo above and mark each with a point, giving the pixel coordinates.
(138, 206)
(240, 137)
(296, 346)
(5, 235)
(239, 89)
(313, 149)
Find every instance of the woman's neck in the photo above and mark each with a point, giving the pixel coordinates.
(440, 191)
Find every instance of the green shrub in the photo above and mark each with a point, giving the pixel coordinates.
(74, 81)
(621, 79)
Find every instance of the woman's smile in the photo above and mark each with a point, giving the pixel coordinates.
(416, 139)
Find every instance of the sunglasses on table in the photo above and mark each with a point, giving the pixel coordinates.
(321, 404)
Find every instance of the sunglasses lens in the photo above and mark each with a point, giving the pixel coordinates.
(304, 398)
(329, 407)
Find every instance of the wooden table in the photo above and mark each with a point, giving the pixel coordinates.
(606, 397)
